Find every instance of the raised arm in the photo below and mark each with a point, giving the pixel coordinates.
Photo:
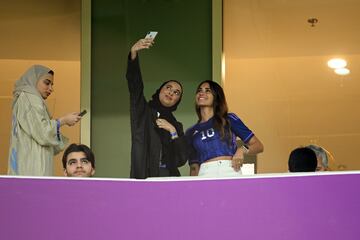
(139, 45)
(134, 79)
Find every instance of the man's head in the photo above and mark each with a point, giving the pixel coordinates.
(78, 161)
(302, 160)
(322, 157)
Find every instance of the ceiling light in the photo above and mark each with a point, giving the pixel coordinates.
(312, 21)
(342, 71)
(337, 63)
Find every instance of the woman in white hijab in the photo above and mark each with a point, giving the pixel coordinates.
(35, 138)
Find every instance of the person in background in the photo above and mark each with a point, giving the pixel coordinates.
(158, 145)
(302, 159)
(322, 157)
(35, 137)
(213, 148)
(78, 161)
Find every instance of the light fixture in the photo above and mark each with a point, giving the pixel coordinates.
(342, 71)
(337, 63)
(313, 21)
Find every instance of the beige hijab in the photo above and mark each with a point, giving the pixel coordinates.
(27, 82)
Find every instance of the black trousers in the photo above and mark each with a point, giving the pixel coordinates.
(164, 172)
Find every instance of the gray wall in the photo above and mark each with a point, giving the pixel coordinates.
(182, 51)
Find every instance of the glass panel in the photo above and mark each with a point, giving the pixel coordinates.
(277, 77)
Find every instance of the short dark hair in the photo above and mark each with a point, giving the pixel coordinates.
(302, 159)
(79, 148)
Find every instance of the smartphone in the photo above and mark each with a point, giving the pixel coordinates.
(82, 113)
(151, 35)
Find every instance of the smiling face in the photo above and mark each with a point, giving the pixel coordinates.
(77, 165)
(45, 85)
(170, 94)
(204, 96)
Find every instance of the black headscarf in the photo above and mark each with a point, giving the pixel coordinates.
(167, 114)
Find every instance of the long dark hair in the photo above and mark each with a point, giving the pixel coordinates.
(221, 123)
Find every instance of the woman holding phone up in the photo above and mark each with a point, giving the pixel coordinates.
(213, 138)
(158, 142)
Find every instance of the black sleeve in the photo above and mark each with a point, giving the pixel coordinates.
(180, 146)
(191, 152)
(136, 88)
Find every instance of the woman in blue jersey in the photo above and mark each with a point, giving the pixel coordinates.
(213, 138)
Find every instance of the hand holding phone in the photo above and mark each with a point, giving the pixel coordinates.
(151, 35)
(144, 43)
(82, 113)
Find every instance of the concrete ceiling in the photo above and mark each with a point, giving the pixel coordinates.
(40, 29)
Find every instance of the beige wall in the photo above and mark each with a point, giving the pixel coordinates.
(286, 113)
(277, 80)
(66, 98)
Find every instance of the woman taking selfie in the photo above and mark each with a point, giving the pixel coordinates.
(158, 142)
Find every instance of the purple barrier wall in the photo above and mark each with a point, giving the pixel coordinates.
(282, 207)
